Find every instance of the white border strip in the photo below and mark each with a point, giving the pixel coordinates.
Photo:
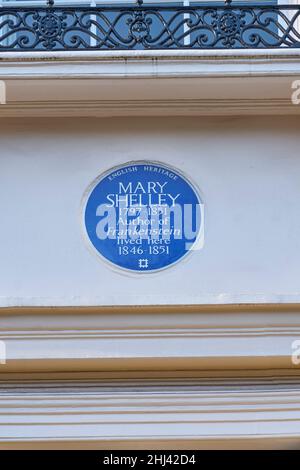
(280, 53)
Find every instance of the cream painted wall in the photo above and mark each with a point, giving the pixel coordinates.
(248, 170)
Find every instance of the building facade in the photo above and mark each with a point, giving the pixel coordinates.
(191, 352)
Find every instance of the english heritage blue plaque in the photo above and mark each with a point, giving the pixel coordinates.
(143, 216)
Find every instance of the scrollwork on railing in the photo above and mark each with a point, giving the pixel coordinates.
(145, 27)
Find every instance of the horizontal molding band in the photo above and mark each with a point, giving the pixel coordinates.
(275, 62)
(150, 108)
(174, 411)
(148, 83)
(278, 53)
(141, 339)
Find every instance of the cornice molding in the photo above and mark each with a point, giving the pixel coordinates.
(279, 53)
(118, 108)
(77, 378)
(228, 82)
(155, 67)
(141, 414)
(143, 341)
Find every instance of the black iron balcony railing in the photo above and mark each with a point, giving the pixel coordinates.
(138, 26)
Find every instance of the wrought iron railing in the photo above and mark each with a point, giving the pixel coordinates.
(138, 26)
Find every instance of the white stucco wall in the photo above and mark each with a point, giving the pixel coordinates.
(248, 170)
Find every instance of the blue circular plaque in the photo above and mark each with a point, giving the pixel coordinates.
(143, 216)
